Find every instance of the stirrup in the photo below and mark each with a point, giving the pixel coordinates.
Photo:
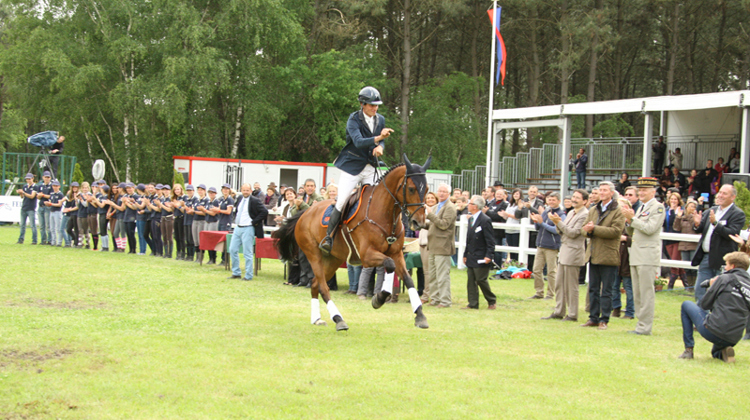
(326, 244)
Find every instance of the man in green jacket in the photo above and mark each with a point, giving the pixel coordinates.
(603, 227)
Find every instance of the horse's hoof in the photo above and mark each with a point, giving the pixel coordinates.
(341, 326)
(421, 322)
(377, 302)
(320, 323)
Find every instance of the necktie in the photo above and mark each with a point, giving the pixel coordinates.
(471, 221)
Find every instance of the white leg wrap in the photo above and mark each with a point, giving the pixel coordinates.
(416, 302)
(314, 310)
(333, 310)
(388, 283)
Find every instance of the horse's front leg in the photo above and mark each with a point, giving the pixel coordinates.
(375, 258)
(416, 303)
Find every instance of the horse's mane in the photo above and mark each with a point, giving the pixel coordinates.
(391, 169)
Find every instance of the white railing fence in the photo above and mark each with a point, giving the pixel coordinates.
(523, 250)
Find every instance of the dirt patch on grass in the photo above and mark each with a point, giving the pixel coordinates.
(33, 357)
(46, 303)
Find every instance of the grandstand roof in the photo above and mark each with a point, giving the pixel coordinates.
(739, 98)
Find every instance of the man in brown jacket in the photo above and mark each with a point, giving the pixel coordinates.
(571, 257)
(603, 226)
(441, 246)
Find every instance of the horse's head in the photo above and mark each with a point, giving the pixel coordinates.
(414, 192)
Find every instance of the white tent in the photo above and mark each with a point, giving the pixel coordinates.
(701, 114)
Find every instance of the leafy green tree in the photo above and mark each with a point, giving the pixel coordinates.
(78, 174)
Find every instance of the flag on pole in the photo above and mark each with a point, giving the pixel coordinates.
(501, 56)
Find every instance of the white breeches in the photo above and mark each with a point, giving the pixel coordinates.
(348, 182)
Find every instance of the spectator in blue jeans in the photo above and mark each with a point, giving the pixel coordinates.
(28, 208)
(623, 275)
(728, 300)
(354, 272)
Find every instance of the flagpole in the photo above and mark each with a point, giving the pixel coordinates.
(490, 134)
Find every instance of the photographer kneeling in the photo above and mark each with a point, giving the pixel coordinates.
(728, 299)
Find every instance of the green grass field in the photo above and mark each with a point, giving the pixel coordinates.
(99, 336)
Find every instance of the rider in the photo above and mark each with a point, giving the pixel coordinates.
(365, 141)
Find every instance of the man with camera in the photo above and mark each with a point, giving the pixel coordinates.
(728, 300)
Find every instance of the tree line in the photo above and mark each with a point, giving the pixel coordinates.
(135, 82)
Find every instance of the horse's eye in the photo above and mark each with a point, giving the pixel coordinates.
(412, 190)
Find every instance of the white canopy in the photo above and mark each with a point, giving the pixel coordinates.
(535, 117)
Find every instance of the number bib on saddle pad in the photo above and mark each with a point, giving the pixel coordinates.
(350, 209)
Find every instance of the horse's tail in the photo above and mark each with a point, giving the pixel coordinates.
(286, 244)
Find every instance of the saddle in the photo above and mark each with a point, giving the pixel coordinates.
(351, 208)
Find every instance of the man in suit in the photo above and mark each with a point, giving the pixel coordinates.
(715, 227)
(571, 257)
(365, 142)
(250, 212)
(645, 251)
(441, 246)
(603, 227)
(480, 249)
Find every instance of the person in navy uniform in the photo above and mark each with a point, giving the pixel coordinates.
(131, 212)
(212, 219)
(141, 219)
(480, 249)
(167, 221)
(28, 208)
(43, 191)
(250, 212)
(54, 204)
(69, 220)
(178, 202)
(101, 214)
(199, 221)
(155, 220)
(226, 208)
(189, 203)
(365, 142)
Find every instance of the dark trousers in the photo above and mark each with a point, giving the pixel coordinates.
(148, 236)
(601, 278)
(478, 277)
(658, 166)
(179, 233)
(189, 236)
(156, 235)
(130, 231)
(72, 229)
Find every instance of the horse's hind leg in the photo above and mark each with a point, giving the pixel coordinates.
(320, 285)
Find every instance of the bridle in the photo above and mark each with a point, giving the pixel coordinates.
(400, 207)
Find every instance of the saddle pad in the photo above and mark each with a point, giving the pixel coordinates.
(353, 208)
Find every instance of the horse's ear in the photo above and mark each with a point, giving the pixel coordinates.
(406, 160)
(427, 163)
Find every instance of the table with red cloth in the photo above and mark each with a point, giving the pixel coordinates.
(212, 240)
(264, 248)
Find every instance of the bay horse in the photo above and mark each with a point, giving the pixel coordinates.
(373, 237)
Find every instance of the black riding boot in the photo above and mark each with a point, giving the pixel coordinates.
(327, 243)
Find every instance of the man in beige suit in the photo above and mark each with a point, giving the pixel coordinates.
(441, 247)
(571, 257)
(645, 252)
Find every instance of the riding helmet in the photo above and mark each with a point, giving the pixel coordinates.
(370, 95)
